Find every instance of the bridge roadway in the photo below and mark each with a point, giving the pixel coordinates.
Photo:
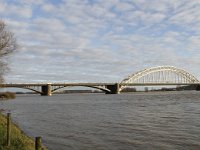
(48, 88)
(109, 88)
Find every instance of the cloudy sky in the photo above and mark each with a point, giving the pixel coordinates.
(100, 40)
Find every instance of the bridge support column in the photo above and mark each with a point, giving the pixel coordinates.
(114, 89)
(46, 90)
(198, 87)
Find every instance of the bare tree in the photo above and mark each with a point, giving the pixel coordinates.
(7, 46)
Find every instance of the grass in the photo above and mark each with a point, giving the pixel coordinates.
(19, 141)
(7, 95)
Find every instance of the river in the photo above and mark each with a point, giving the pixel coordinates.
(139, 121)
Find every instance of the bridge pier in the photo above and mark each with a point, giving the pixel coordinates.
(198, 87)
(46, 90)
(114, 88)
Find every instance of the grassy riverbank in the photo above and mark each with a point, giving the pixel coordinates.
(19, 141)
(7, 95)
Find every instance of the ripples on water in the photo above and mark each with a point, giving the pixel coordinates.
(150, 121)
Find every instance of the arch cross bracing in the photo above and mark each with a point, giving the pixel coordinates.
(161, 74)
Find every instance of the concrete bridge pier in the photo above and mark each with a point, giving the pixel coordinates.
(46, 90)
(198, 87)
(114, 88)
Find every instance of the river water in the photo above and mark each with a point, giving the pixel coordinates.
(140, 121)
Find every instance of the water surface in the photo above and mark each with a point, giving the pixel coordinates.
(163, 121)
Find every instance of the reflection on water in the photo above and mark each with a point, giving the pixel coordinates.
(111, 122)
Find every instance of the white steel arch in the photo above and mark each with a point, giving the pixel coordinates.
(161, 74)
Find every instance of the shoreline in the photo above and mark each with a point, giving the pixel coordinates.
(7, 95)
(19, 140)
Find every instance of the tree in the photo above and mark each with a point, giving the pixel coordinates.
(7, 46)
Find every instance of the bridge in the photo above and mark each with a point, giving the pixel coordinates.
(156, 76)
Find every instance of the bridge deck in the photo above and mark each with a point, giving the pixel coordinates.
(94, 84)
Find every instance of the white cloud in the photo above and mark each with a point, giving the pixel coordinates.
(23, 11)
(49, 8)
(2, 6)
(49, 24)
(91, 41)
(32, 2)
(123, 6)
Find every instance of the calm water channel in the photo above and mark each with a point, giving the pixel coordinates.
(150, 121)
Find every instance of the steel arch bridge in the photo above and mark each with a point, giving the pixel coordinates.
(161, 75)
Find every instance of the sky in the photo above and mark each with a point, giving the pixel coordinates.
(100, 40)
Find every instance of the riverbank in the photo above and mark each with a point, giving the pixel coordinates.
(7, 95)
(19, 141)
